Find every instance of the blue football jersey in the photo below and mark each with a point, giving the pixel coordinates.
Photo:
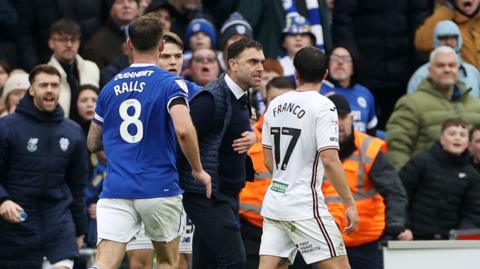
(361, 102)
(138, 135)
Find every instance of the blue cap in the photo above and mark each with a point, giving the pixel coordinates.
(201, 25)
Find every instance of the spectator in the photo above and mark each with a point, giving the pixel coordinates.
(8, 28)
(118, 64)
(296, 35)
(465, 13)
(474, 146)
(36, 16)
(269, 17)
(85, 103)
(204, 67)
(381, 33)
(448, 34)
(106, 43)
(64, 41)
(271, 69)
(182, 12)
(14, 90)
(4, 74)
(164, 11)
(37, 143)
(251, 196)
(200, 34)
(234, 29)
(342, 67)
(221, 113)
(443, 188)
(92, 195)
(416, 122)
(142, 6)
(376, 187)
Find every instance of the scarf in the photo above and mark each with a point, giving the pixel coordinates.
(314, 17)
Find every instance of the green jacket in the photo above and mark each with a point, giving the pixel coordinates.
(416, 121)
(267, 18)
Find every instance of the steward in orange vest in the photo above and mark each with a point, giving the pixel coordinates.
(376, 187)
(251, 196)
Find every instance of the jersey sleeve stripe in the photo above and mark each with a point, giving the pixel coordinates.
(175, 97)
(266, 146)
(328, 147)
(98, 118)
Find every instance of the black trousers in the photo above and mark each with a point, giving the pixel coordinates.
(366, 256)
(217, 242)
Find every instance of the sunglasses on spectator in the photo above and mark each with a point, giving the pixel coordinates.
(200, 59)
(338, 58)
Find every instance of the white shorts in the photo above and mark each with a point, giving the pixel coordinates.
(317, 239)
(60, 264)
(141, 241)
(120, 220)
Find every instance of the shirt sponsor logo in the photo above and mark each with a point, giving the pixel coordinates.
(279, 187)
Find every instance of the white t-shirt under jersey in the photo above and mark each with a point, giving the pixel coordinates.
(297, 127)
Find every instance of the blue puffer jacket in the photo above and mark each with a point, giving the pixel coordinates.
(43, 168)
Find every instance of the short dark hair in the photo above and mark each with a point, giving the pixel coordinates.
(42, 68)
(145, 32)
(454, 122)
(281, 82)
(240, 45)
(172, 38)
(88, 87)
(65, 26)
(310, 63)
(475, 128)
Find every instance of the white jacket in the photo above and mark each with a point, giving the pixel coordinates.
(88, 74)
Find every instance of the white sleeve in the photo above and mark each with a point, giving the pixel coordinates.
(326, 128)
(266, 133)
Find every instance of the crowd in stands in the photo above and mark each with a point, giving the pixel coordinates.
(409, 70)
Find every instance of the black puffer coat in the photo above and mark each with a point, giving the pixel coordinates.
(381, 32)
(443, 192)
(43, 168)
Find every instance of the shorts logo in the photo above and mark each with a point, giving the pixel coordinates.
(64, 143)
(279, 187)
(32, 144)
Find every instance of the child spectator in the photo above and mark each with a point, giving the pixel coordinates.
(443, 188)
(296, 35)
(15, 88)
(200, 34)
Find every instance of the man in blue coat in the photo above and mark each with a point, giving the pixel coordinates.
(43, 168)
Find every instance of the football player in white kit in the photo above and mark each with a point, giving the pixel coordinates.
(300, 140)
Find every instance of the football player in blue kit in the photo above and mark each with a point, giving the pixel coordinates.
(138, 114)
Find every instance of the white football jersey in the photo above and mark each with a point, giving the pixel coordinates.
(297, 127)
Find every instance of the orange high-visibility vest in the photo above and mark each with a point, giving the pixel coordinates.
(251, 196)
(370, 206)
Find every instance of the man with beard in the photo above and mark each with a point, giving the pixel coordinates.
(221, 115)
(378, 192)
(43, 167)
(343, 70)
